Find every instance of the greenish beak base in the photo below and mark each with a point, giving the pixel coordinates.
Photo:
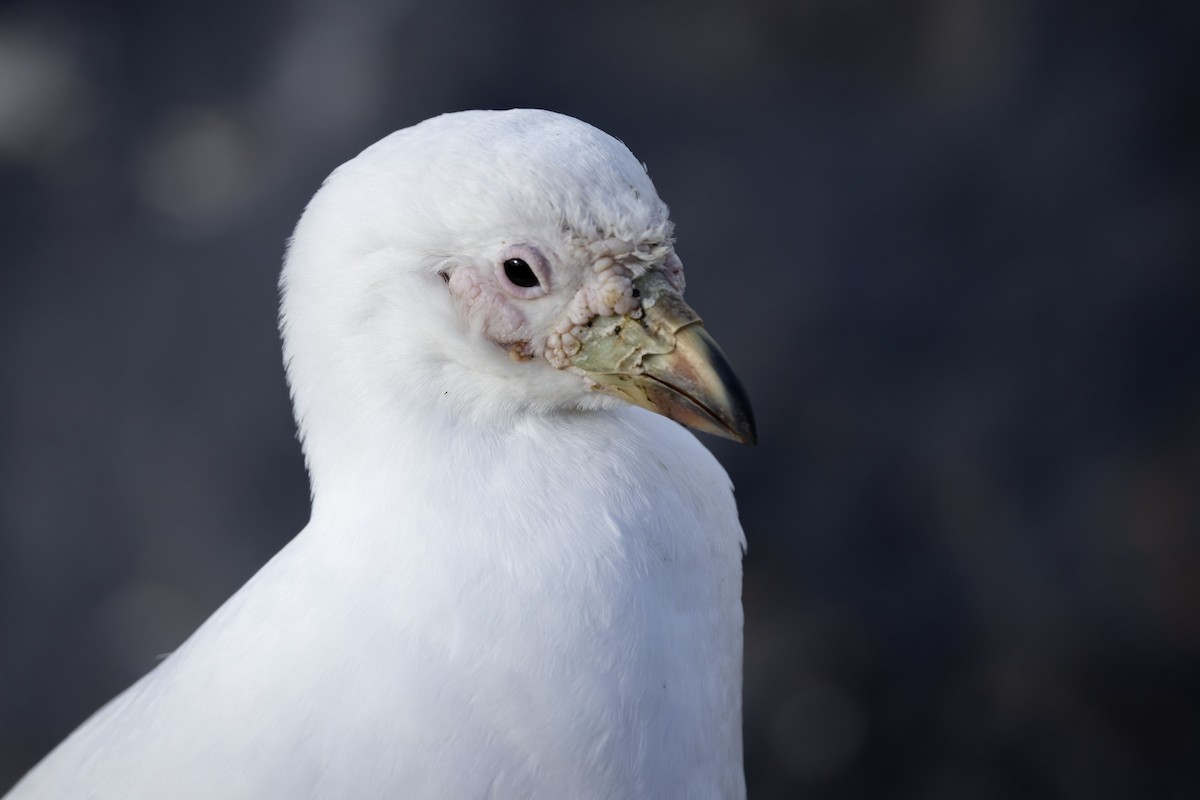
(666, 362)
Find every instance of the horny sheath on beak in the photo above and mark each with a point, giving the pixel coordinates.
(666, 362)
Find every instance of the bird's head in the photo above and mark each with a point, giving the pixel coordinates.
(496, 262)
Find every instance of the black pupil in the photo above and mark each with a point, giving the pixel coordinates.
(520, 273)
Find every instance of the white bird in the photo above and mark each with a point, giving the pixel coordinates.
(515, 582)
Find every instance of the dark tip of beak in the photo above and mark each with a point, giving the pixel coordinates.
(735, 414)
(704, 391)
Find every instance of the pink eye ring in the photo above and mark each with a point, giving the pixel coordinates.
(523, 272)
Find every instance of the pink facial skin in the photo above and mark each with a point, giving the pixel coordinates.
(490, 310)
(494, 307)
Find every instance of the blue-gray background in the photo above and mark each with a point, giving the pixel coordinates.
(951, 246)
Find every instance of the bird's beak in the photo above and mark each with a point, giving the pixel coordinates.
(666, 362)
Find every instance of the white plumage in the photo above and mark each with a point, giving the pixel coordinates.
(514, 584)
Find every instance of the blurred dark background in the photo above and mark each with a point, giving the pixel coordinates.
(951, 246)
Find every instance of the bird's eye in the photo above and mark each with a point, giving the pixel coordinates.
(520, 273)
(523, 272)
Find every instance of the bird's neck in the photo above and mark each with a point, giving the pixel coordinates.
(580, 571)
